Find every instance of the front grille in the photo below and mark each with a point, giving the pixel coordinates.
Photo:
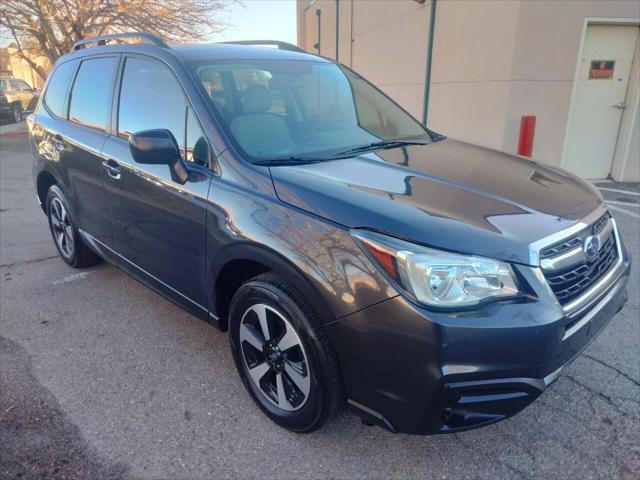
(600, 224)
(571, 282)
(560, 248)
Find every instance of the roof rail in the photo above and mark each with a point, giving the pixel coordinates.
(103, 39)
(281, 45)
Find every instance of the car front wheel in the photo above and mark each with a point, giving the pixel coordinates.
(282, 354)
(16, 113)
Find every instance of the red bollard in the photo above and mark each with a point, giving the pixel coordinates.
(527, 133)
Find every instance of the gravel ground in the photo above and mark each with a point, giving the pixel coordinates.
(102, 378)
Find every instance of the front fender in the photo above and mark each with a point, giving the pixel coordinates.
(320, 258)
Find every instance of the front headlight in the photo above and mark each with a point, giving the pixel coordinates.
(437, 278)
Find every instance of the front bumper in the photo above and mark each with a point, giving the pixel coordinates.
(412, 370)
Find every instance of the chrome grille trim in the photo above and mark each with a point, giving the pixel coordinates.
(536, 247)
(577, 278)
(601, 229)
(612, 274)
(553, 252)
(594, 220)
(563, 261)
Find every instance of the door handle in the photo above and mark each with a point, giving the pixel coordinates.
(620, 105)
(57, 142)
(113, 168)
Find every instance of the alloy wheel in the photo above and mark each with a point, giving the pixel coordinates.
(61, 228)
(274, 357)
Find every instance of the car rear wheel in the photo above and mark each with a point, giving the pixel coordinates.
(282, 354)
(65, 234)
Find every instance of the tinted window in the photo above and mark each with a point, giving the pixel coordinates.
(91, 92)
(57, 89)
(150, 98)
(197, 148)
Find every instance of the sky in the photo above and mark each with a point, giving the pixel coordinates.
(259, 20)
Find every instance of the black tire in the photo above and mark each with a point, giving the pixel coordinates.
(73, 250)
(324, 397)
(16, 114)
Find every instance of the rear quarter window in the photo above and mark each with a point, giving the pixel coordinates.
(56, 94)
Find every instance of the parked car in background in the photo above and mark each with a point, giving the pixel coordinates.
(16, 98)
(355, 257)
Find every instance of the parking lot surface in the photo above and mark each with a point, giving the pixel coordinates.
(102, 378)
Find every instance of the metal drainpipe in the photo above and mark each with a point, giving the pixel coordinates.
(318, 13)
(427, 77)
(337, 26)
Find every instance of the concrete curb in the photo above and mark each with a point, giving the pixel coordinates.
(14, 130)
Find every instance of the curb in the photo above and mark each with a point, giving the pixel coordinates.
(13, 134)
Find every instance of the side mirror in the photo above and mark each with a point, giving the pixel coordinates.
(159, 147)
(154, 147)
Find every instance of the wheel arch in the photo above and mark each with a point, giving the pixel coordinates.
(44, 181)
(243, 261)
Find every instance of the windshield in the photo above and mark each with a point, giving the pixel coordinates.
(287, 109)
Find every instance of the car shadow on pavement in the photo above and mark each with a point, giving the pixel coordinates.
(37, 440)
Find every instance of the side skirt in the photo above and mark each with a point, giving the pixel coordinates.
(149, 280)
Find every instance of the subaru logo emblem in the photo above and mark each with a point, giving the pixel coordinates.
(591, 247)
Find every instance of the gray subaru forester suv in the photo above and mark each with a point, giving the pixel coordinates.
(355, 257)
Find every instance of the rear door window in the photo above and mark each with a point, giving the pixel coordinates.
(56, 94)
(91, 92)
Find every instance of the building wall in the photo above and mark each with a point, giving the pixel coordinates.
(493, 61)
(473, 56)
(626, 165)
(383, 40)
(546, 54)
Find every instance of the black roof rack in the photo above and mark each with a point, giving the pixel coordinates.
(103, 39)
(277, 43)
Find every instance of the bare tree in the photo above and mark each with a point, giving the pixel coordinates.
(50, 27)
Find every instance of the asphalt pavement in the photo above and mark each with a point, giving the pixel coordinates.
(102, 378)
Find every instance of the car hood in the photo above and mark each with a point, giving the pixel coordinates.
(449, 195)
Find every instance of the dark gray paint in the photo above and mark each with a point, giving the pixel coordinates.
(400, 362)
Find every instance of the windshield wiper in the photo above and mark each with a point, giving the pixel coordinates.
(384, 144)
(301, 160)
(275, 162)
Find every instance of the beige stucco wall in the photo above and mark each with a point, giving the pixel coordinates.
(472, 62)
(626, 163)
(384, 40)
(22, 70)
(493, 61)
(547, 47)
